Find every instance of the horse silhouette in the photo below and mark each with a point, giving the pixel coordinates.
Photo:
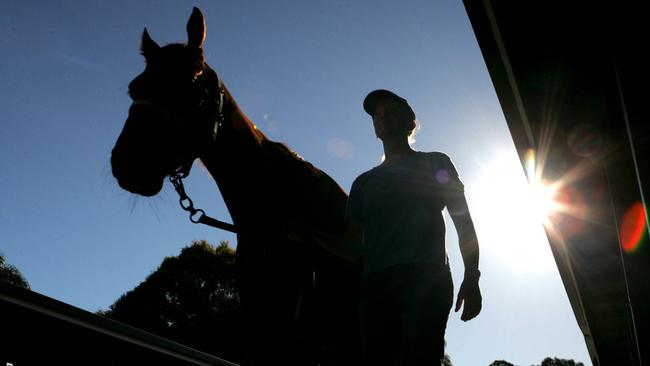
(300, 303)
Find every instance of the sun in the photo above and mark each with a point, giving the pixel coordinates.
(510, 209)
(542, 199)
(542, 195)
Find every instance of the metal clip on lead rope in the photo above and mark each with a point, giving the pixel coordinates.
(197, 215)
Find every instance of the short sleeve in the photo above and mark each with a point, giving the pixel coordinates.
(454, 180)
(446, 176)
(354, 208)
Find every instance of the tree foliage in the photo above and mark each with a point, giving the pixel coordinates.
(190, 298)
(559, 362)
(548, 361)
(501, 363)
(446, 361)
(10, 274)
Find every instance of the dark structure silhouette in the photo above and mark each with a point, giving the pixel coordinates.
(299, 302)
(571, 79)
(39, 330)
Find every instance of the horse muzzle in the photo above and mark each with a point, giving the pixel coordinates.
(137, 155)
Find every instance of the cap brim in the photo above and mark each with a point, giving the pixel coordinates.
(377, 96)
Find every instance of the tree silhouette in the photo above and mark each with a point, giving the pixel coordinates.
(560, 362)
(548, 361)
(11, 274)
(501, 363)
(190, 299)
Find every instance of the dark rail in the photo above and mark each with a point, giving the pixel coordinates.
(37, 329)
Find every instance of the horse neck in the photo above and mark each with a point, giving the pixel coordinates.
(263, 183)
(238, 164)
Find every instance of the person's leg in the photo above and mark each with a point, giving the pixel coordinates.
(379, 320)
(426, 311)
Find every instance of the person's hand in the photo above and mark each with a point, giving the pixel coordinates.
(470, 295)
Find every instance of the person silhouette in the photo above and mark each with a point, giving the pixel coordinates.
(395, 224)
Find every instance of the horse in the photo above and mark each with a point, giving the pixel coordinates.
(300, 302)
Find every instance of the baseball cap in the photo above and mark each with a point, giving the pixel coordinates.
(377, 96)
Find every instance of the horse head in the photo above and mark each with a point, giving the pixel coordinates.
(172, 113)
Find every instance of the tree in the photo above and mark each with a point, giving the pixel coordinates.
(11, 274)
(501, 363)
(560, 362)
(548, 361)
(190, 299)
(447, 361)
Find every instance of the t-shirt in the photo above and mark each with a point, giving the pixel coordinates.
(400, 204)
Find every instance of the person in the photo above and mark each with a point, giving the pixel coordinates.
(395, 224)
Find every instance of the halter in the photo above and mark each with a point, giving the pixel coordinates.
(206, 102)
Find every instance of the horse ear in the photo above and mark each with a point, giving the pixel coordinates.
(196, 29)
(148, 46)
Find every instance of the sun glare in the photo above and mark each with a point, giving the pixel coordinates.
(511, 211)
(542, 195)
(542, 199)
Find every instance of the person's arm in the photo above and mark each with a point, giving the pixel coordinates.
(469, 292)
(347, 246)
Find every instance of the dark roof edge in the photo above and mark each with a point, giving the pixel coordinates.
(74, 315)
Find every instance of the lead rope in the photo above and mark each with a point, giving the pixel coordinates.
(197, 215)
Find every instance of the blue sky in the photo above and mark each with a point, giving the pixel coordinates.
(300, 70)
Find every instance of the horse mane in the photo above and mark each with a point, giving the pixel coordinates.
(288, 157)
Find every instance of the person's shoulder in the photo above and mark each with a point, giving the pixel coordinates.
(360, 182)
(437, 156)
(363, 177)
(440, 160)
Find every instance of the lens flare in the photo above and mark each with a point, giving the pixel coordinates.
(542, 194)
(542, 197)
(633, 227)
(569, 217)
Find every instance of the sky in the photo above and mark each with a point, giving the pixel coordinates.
(300, 71)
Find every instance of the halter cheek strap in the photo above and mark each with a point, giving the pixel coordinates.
(209, 104)
(220, 119)
(198, 215)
